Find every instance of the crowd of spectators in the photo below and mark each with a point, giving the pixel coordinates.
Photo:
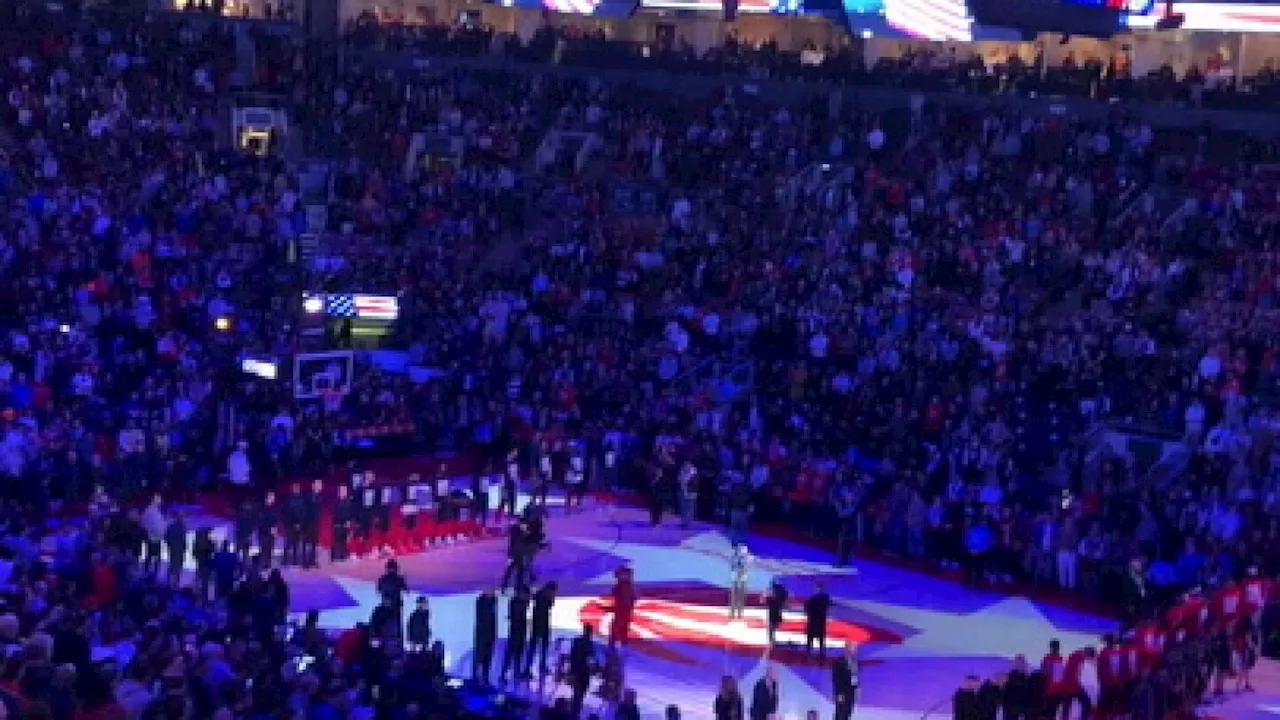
(932, 67)
(957, 295)
(934, 308)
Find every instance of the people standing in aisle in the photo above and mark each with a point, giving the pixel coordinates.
(844, 681)
(175, 540)
(816, 610)
(775, 605)
(688, 489)
(517, 634)
(268, 518)
(739, 570)
(540, 629)
(313, 508)
(486, 636)
(419, 628)
(295, 510)
(365, 499)
(342, 516)
(246, 526)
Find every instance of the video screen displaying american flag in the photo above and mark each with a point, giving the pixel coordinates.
(745, 7)
(579, 7)
(936, 20)
(362, 307)
(602, 8)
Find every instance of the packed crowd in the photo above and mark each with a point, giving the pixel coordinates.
(939, 307)
(935, 307)
(928, 67)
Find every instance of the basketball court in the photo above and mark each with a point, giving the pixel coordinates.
(918, 635)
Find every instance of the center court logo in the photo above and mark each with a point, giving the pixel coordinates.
(670, 623)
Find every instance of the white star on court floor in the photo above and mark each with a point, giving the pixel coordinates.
(1013, 626)
(702, 558)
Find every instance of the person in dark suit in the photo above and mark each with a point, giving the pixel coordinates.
(441, 496)
(764, 697)
(268, 518)
(202, 551)
(540, 635)
(295, 511)
(480, 498)
(775, 604)
(1135, 596)
(844, 681)
(312, 504)
(517, 633)
(728, 703)
(966, 704)
(486, 636)
(246, 525)
(419, 631)
(175, 540)
(816, 610)
(582, 654)
(1019, 691)
(521, 546)
(343, 515)
(658, 484)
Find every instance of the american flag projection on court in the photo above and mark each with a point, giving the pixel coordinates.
(936, 20)
(362, 307)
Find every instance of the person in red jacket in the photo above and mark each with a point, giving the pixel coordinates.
(1175, 620)
(1149, 637)
(1255, 595)
(1244, 645)
(1224, 610)
(1081, 683)
(1195, 619)
(105, 583)
(624, 604)
(1057, 687)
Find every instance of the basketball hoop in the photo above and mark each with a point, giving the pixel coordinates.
(331, 400)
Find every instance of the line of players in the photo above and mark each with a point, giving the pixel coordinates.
(372, 517)
(1198, 642)
(368, 517)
